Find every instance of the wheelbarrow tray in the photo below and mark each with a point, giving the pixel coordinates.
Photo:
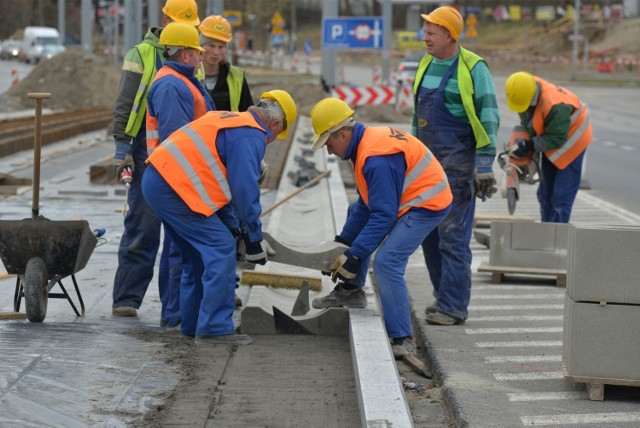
(64, 245)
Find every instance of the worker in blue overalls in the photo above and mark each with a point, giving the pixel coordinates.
(456, 116)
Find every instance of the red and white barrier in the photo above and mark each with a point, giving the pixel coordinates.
(15, 79)
(377, 75)
(364, 95)
(294, 62)
(405, 94)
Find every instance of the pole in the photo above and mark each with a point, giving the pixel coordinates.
(575, 39)
(37, 138)
(328, 70)
(387, 23)
(61, 20)
(86, 25)
(153, 13)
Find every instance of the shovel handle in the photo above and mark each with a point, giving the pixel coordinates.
(37, 144)
(298, 191)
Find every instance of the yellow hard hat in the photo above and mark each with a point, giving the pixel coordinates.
(180, 34)
(185, 11)
(216, 27)
(327, 116)
(447, 17)
(287, 105)
(520, 89)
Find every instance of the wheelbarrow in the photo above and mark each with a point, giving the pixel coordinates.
(41, 252)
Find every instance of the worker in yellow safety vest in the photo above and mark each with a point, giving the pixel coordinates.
(141, 238)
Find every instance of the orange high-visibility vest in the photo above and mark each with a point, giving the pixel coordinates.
(425, 183)
(199, 107)
(189, 162)
(580, 133)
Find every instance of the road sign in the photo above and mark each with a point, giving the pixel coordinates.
(353, 33)
(234, 17)
(308, 47)
(277, 40)
(277, 24)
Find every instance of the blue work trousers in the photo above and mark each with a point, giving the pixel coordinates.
(207, 287)
(140, 240)
(170, 274)
(390, 263)
(558, 188)
(447, 252)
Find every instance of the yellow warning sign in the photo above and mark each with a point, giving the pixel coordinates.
(277, 23)
(471, 19)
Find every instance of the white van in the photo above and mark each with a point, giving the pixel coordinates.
(41, 43)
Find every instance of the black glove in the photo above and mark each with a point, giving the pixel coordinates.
(345, 267)
(485, 185)
(521, 149)
(340, 240)
(255, 253)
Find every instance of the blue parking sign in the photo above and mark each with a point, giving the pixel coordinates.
(353, 33)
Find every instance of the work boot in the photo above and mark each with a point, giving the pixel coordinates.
(438, 318)
(402, 346)
(431, 308)
(226, 339)
(238, 302)
(124, 311)
(340, 297)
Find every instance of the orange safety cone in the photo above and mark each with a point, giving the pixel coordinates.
(15, 79)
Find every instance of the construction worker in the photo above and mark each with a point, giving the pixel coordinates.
(456, 115)
(226, 83)
(176, 97)
(403, 195)
(189, 179)
(141, 238)
(559, 126)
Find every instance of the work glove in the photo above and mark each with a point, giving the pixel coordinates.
(340, 240)
(255, 253)
(485, 181)
(521, 148)
(123, 157)
(264, 167)
(345, 267)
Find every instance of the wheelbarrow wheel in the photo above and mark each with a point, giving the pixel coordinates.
(35, 289)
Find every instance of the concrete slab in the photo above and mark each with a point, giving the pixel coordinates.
(594, 275)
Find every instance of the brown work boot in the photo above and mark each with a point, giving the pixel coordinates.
(431, 308)
(340, 297)
(238, 302)
(402, 346)
(124, 311)
(438, 318)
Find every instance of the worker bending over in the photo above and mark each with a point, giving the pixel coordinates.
(403, 195)
(189, 179)
(176, 97)
(559, 126)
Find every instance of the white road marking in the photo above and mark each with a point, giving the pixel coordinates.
(603, 205)
(510, 287)
(512, 307)
(529, 376)
(575, 419)
(518, 296)
(548, 396)
(519, 318)
(521, 358)
(520, 344)
(509, 330)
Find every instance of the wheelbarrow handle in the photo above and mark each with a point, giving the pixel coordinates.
(37, 144)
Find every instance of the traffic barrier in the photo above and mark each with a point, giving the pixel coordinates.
(364, 95)
(294, 62)
(15, 79)
(308, 61)
(377, 75)
(405, 94)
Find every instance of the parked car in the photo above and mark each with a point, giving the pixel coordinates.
(11, 49)
(408, 66)
(41, 43)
